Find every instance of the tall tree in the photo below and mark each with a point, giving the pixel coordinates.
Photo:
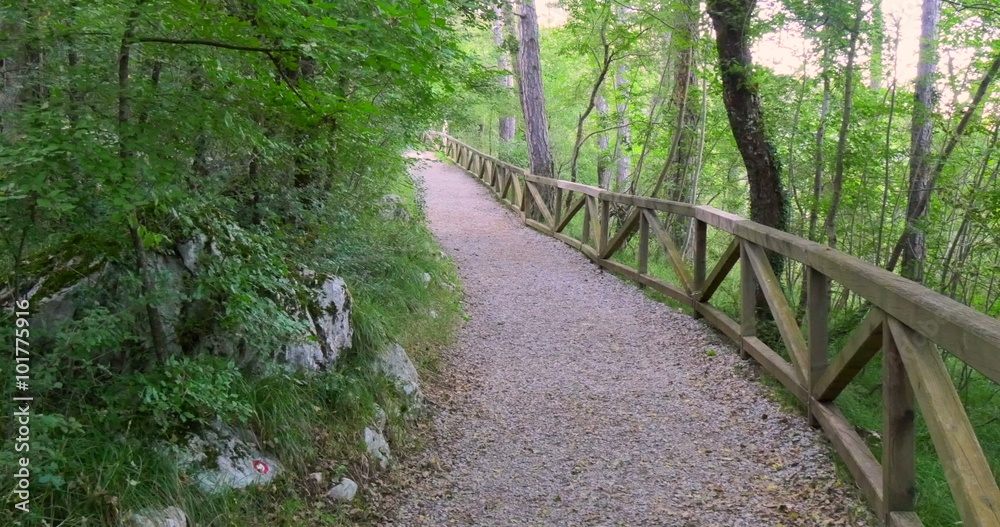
(768, 202)
(624, 144)
(603, 145)
(532, 93)
(914, 242)
(504, 17)
(845, 123)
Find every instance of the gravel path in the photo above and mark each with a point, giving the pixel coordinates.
(576, 400)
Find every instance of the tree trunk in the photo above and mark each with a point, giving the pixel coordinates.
(824, 111)
(603, 146)
(508, 123)
(845, 124)
(684, 79)
(530, 88)
(913, 244)
(624, 144)
(878, 42)
(602, 72)
(623, 160)
(157, 329)
(768, 203)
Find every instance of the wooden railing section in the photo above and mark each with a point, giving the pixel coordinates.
(906, 322)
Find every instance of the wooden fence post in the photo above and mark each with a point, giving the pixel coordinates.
(818, 299)
(700, 256)
(748, 299)
(643, 246)
(602, 242)
(898, 432)
(585, 237)
(557, 214)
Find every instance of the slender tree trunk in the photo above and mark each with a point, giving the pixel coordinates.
(845, 124)
(817, 189)
(157, 330)
(603, 146)
(684, 79)
(914, 240)
(768, 203)
(602, 71)
(689, 244)
(877, 42)
(912, 245)
(623, 161)
(655, 104)
(624, 144)
(536, 123)
(503, 14)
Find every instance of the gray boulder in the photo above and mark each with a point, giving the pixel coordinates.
(343, 491)
(328, 317)
(397, 366)
(377, 447)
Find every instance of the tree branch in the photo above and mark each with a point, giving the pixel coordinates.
(213, 44)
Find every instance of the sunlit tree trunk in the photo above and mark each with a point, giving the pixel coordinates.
(624, 144)
(914, 243)
(503, 14)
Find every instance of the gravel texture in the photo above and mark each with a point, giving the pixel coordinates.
(576, 400)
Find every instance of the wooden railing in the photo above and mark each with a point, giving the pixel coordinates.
(906, 321)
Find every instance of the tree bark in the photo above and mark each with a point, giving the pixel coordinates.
(914, 240)
(768, 203)
(531, 90)
(503, 14)
(687, 121)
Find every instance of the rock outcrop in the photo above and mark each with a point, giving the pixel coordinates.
(328, 314)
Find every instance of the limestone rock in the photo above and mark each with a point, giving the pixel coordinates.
(191, 249)
(168, 517)
(380, 418)
(396, 364)
(222, 458)
(328, 316)
(391, 208)
(343, 491)
(377, 447)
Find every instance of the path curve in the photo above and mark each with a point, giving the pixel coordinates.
(590, 404)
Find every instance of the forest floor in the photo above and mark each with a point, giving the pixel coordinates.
(573, 399)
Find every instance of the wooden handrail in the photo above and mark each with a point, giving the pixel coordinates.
(903, 322)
